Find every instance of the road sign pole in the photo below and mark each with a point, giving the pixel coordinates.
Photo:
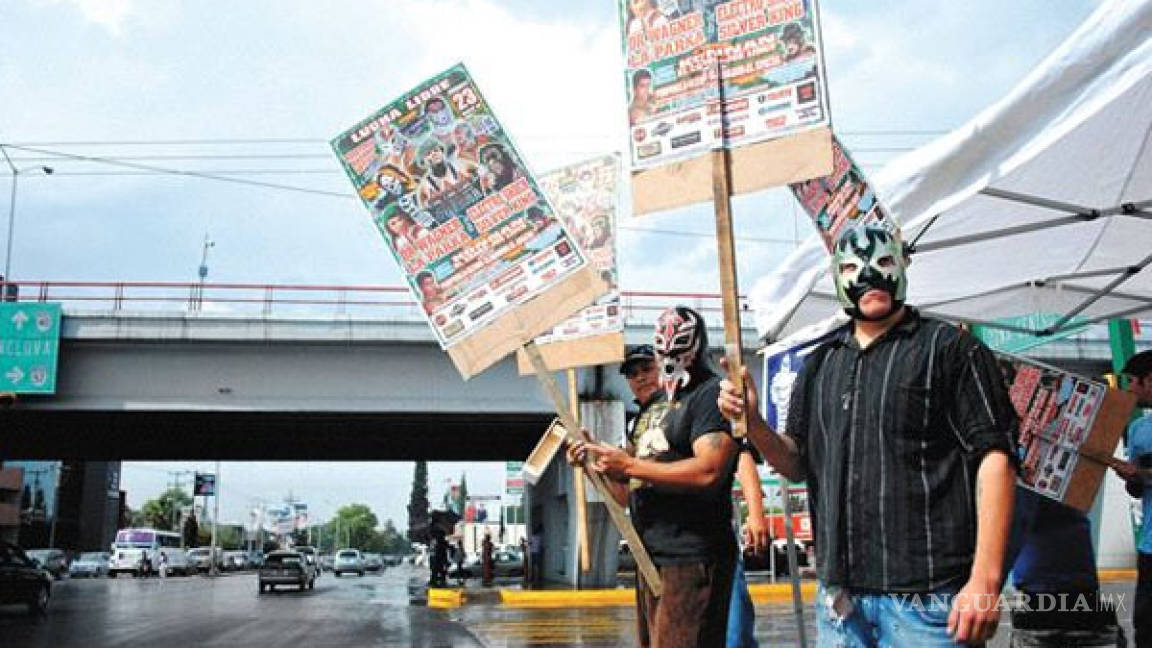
(215, 517)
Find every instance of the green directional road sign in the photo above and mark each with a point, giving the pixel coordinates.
(29, 347)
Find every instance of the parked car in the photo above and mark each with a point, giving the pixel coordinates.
(311, 554)
(286, 568)
(235, 561)
(91, 563)
(393, 560)
(22, 581)
(51, 560)
(326, 561)
(348, 561)
(200, 559)
(763, 561)
(504, 564)
(373, 562)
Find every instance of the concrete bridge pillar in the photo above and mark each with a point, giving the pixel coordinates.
(551, 505)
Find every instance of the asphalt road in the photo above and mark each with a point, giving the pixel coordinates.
(228, 611)
(374, 610)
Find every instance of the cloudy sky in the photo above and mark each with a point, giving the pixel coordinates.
(253, 90)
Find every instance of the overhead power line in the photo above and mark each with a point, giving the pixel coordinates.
(316, 140)
(180, 172)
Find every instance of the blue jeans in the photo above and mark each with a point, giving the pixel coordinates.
(741, 614)
(884, 620)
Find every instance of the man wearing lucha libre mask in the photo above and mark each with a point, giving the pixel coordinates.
(676, 479)
(902, 427)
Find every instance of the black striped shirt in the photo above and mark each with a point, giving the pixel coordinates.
(891, 437)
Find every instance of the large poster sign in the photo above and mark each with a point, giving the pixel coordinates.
(834, 200)
(585, 195)
(472, 230)
(769, 53)
(1069, 428)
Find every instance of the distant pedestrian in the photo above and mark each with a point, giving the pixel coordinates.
(460, 561)
(438, 564)
(536, 546)
(163, 565)
(486, 560)
(526, 563)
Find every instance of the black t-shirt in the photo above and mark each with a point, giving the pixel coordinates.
(679, 526)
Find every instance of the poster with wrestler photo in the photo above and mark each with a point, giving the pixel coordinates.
(835, 200)
(769, 53)
(450, 193)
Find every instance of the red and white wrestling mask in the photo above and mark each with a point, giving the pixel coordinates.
(677, 344)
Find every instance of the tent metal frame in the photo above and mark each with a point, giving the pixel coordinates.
(1077, 214)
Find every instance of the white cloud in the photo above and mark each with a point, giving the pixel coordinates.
(110, 14)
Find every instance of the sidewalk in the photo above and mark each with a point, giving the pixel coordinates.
(517, 597)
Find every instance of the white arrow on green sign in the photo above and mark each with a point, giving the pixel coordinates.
(29, 347)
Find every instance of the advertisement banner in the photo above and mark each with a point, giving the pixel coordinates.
(834, 200)
(585, 196)
(465, 219)
(204, 485)
(514, 477)
(768, 52)
(1069, 429)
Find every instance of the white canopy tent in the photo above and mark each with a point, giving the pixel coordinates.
(1040, 204)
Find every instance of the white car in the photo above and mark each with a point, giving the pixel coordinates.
(348, 561)
(92, 563)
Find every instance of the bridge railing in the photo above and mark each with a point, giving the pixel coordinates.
(393, 303)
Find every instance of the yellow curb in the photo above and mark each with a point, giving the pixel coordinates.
(445, 598)
(1117, 575)
(780, 592)
(567, 598)
(761, 593)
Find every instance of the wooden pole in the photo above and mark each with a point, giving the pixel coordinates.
(578, 485)
(726, 252)
(726, 256)
(644, 563)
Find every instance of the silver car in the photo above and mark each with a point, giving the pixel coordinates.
(92, 563)
(348, 561)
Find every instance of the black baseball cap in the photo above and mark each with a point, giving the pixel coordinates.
(635, 355)
(1139, 365)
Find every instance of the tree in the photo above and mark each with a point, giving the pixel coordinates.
(191, 531)
(159, 513)
(357, 523)
(388, 540)
(418, 505)
(461, 503)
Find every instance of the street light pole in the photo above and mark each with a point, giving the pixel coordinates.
(12, 209)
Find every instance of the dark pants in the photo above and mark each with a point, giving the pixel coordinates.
(692, 609)
(1142, 610)
(537, 568)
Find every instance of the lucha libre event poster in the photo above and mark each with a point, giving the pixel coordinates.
(455, 202)
(1057, 414)
(586, 195)
(845, 195)
(772, 68)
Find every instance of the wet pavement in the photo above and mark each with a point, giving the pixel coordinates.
(375, 610)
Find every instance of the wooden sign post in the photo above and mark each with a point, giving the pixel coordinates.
(644, 562)
(726, 254)
(726, 258)
(578, 485)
